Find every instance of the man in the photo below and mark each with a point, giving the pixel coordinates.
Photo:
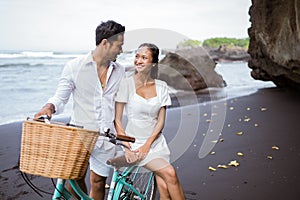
(93, 81)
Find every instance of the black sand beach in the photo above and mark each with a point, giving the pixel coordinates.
(263, 128)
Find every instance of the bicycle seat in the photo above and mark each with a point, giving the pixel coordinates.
(119, 162)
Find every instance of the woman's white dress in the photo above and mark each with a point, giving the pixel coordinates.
(142, 117)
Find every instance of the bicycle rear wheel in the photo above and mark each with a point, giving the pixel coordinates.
(140, 185)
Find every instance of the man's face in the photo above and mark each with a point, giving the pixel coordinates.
(115, 47)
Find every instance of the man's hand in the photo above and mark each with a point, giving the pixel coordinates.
(48, 110)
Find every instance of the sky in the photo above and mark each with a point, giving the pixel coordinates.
(69, 25)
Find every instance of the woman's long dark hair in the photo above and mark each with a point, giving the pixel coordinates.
(155, 53)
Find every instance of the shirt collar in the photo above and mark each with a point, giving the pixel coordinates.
(89, 59)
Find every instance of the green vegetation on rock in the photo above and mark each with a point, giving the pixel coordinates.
(216, 42)
(189, 43)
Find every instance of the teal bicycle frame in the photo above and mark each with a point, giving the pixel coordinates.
(61, 191)
(120, 180)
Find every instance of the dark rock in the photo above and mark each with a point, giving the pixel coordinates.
(228, 54)
(189, 69)
(275, 41)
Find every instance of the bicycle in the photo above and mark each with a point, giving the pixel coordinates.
(134, 182)
(128, 180)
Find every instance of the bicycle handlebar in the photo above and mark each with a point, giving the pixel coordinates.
(125, 138)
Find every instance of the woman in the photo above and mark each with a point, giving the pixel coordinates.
(145, 99)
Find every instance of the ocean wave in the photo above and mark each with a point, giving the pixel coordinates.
(38, 54)
(28, 65)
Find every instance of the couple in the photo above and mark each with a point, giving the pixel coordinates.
(101, 92)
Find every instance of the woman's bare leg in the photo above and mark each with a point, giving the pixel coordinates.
(162, 188)
(168, 174)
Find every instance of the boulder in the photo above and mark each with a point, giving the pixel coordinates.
(275, 41)
(189, 69)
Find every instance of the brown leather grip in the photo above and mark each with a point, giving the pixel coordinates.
(125, 138)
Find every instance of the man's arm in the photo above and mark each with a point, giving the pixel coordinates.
(63, 92)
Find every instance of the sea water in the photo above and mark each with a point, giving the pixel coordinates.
(28, 79)
(237, 76)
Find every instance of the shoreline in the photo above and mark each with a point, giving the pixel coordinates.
(262, 126)
(179, 99)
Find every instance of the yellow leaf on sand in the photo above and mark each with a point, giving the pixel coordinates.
(263, 109)
(275, 147)
(211, 168)
(247, 119)
(240, 154)
(223, 166)
(233, 163)
(239, 133)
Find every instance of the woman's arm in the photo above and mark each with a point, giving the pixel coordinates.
(130, 156)
(118, 120)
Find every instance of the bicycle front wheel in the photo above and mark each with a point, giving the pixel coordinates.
(139, 184)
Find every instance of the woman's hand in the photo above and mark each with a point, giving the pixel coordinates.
(131, 156)
(143, 151)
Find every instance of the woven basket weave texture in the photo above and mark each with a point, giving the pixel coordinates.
(55, 151)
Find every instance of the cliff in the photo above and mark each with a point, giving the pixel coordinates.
(275, 41)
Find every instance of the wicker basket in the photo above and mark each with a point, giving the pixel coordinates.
(55, 151)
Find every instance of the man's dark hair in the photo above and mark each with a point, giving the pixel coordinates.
(108, 30)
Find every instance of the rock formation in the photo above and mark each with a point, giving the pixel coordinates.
(275, 41)
(228, 54)
(189, 69)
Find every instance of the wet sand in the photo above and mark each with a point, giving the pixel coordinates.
(264, 127)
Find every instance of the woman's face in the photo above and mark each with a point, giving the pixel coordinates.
(143, 60)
